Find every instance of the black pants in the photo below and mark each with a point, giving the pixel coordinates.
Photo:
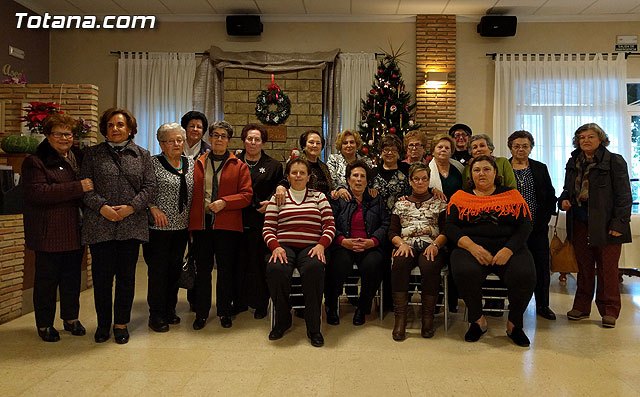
(57, 270)
(518, 274)
(429, 272)
(224, 245)
(538, 244)
(164, 255)
(252, 257)
(116, 258)
(279, 281)
(369, 265)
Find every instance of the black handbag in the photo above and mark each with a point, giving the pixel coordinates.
(188, 274)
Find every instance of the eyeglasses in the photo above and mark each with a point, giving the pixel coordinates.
(418, 180)
(65, 135)
(389, 151)
(177, 141)
(215, 136)
(414, 145)
(458, 136)
(518, 147)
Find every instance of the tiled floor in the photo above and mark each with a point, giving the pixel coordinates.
(565, 358)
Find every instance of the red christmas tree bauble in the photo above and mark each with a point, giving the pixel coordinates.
(365, 150)
(372, 92)
(394, 76)
(392, 130)
(377, 115)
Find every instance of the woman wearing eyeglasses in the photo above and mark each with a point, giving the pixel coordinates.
(168, 235)
(415, 145)
(222, 188)
(52, 199)
(534, 183)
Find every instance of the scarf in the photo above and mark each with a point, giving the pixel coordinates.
(183, 193)
(509, 203)
(434, 180)
(581, 186)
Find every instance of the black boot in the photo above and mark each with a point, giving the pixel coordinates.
(428, 309)
(400, 301)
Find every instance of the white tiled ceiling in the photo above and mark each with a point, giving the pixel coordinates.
(356, 10)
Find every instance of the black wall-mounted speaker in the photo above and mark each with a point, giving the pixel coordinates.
(244, 25)
(497, 26)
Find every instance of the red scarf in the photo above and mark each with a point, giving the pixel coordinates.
(502, 204)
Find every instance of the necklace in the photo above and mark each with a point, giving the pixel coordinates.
(251, 164)
(520, 176)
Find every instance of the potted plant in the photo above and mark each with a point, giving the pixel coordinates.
(34, 119)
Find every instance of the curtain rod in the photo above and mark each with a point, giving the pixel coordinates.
(626, 54)
(199, 54)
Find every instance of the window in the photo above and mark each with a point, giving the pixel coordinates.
(633, 112)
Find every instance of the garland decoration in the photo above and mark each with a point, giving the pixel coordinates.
(273, 95)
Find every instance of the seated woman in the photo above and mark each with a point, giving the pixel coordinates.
(361, 225)
(489, 224)
(415, 234)
(297, 233)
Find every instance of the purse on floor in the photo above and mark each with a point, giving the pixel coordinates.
(563, 256)
(188, 273)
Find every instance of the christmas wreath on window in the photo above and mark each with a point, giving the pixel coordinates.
(272, 105)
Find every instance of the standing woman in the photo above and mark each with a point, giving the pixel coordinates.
(391, 180)
(195, 125)
(482, 145)
(597, 198)
(116, 222)
(446, 172)
(221, 189)
(534, 183)
(266, 172)
(52, 195)
(168, 235)
(415, 144)
(347, 143)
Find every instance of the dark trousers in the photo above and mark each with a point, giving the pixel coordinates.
(57, 270)
(538, 244)
(115, 258)
(596, 263)
(518, 274)
(429, 272)
(312, 276)
(164, 254)
(224, 245)
(252, 257)
(369, 265)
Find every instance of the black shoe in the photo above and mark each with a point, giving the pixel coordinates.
(102, 335)
(545, 312)
(158, 325)
(299, 312)
(278, 331)
(226, 322)
(518, 337)
(199, 323)
(259, 314)
(49, 334)
(474, 333)
(173, 319)
(332, 317)
(121, 335)
(316, 339)
(75, 328)
(358, 317)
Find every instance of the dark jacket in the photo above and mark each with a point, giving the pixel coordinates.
(609, 197)
(113, 187)
(52, 199)
(265, 176)
(374, 213)
(545, 196)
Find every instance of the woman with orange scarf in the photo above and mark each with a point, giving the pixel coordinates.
(489, 224)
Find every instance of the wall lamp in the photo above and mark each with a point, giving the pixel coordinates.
(436, 79)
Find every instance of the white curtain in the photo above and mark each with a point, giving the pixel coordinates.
(552, 95)
(157, 88)
(356, 78)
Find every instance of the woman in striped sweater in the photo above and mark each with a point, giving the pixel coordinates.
(297, 233)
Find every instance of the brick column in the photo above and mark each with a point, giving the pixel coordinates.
(435, 52)
(11, 266)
